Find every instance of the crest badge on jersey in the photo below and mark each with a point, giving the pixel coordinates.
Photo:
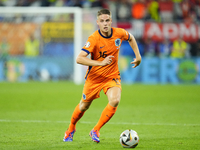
(84, 96)
(87, 44)
(117, 42)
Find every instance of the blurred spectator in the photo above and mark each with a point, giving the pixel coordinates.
(26, 3)
(164, 48)
(67, 2)
(194, 11)
(197, 9)
(59, 3)
(73, 3)
(185, 11)
(185, 8)
(4, 48)
(139, 10)
(8, 2)
(77, 3)
(22, 3)
(97, 3)
(47, 2)
(166, 10)
(32, 46)
(123, 10)
(179, 48)
(177, 12)
(195, 48)
(35, 3)
(4, 54)
(1, 4)
(153, 8)
(150, 47)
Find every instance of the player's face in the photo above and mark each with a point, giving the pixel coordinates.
(104, 21)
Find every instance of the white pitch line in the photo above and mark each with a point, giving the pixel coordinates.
(160, 124)
(87, 122)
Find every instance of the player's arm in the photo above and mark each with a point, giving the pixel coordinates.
(134, 46)
(84, 60)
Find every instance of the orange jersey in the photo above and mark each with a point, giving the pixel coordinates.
(99, 47)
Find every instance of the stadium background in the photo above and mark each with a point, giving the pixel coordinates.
(35, 115)
(41, 48)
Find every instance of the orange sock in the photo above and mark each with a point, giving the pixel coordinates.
(77, 114)
(106, 115)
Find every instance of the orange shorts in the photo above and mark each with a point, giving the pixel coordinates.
(92, 91)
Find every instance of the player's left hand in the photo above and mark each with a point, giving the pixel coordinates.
(107, 60)
(136, 62)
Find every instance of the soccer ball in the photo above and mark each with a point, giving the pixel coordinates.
(129, 139)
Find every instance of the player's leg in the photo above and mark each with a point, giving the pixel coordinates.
(76, 116)
(114, 96)
(78, 113)
(86, 100)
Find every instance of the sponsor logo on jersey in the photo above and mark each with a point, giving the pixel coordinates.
(102, 46)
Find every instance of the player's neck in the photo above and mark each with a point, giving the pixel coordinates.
(106, 34)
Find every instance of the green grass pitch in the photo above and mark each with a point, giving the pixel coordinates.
(34, 116)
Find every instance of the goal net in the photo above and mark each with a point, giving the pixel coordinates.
(42, 43)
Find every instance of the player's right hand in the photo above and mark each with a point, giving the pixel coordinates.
(107, 60)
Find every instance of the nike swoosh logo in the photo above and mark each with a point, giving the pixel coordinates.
(102, 46)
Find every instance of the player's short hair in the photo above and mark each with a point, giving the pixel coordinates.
(104, 11)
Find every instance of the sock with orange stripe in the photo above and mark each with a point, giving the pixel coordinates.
(106, 115)
(77, 114)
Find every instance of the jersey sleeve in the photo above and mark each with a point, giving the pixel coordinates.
(125, 35)
(89, 45)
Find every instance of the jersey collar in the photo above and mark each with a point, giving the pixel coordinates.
(106, 36)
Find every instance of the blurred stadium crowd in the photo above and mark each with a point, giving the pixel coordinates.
(158, 11)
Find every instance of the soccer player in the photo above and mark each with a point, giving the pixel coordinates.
(102, 73)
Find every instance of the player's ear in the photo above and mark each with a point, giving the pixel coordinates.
(97, 22)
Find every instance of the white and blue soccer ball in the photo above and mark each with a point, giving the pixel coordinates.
(129, 139)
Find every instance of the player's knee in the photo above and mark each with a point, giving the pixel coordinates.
(84, 106)
(114, 102)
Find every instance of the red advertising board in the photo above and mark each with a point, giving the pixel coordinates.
(158, 31)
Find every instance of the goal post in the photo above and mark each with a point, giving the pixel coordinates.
(77, 69)
(61, 33)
